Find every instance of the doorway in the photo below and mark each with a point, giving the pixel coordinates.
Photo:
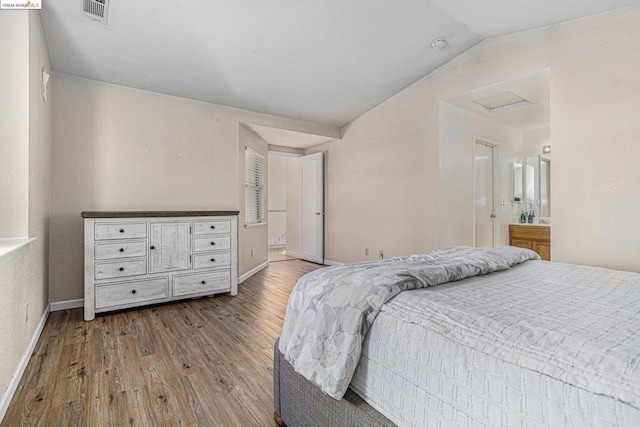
(485, 177)
(295, 207)
(281, 206)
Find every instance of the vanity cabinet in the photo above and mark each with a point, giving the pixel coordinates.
(139, 258)
(534, 237)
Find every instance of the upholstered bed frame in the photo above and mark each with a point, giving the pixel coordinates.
(298, 403)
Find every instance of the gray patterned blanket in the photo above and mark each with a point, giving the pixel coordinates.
(330, 310)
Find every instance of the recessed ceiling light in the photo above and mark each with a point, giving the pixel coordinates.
(438, 44)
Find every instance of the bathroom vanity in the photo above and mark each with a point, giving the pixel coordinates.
(532, 236)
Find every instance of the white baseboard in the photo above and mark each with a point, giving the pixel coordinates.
(66, 305)
(22, 365)
(291, 253)
(329, 262)
(251, 272)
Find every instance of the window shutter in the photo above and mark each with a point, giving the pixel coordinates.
(254, 187)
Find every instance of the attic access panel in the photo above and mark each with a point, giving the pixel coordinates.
(500, 102)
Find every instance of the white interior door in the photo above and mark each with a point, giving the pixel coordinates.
(312, 227)
(484, 196)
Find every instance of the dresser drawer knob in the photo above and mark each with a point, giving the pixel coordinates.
(121, 249)
(121, 269)
(213, 227)
(213, 260)
(204, 283)
(133, 291)
(213, 243)
(152, 247)
(122, 230)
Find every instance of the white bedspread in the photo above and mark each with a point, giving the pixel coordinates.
(330, 310)
(539, 344)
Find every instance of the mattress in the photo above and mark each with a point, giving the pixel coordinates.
(438, 356)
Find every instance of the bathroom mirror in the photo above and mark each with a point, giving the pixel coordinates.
(541, 201)
(529, 184)
(516, 182)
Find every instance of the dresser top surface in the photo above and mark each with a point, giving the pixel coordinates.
(153, 214)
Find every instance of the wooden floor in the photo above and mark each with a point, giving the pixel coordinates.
(204, 362)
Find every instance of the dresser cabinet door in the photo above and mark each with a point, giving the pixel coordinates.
(169, 246)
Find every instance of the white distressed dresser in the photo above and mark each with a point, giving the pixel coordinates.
(139, 258)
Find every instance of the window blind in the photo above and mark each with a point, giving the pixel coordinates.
(253, 187)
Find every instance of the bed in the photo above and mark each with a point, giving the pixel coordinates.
(461, 337)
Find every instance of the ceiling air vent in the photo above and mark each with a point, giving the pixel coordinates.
(95, 10)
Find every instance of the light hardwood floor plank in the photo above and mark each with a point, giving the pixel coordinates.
(201, 362)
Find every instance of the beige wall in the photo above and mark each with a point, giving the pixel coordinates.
(117, 148)
(595, 92)
(534, 140)
(596, 144)
(252, 241)
(381, 180)
(23, 274)
(14, 124)
(383, 177)
(458, 130)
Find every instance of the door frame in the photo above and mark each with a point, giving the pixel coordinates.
(495, 149)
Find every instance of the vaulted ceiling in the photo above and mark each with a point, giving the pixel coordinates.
(323, 61)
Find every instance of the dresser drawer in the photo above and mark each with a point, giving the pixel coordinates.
(211, 260)
(201, 244)
(199, 283)
(120, 230)
(123, 249)
(211, 226)
(131, 292)
(109, 270)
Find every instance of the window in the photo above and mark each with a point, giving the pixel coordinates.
(253, 187)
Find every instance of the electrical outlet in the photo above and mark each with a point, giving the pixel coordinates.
(366, 251)
(381, 254)
(26, 312)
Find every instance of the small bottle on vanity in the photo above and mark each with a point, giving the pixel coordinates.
(532, 215)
